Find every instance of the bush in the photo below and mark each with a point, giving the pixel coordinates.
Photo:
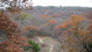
(34, 46)
(23, 16)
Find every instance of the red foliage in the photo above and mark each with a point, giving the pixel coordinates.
(44, 16)
(51, 21)
(14, 41)
(30, 27)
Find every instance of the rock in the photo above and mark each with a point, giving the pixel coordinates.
(48, 44)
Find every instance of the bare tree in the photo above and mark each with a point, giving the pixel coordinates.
(16, 3)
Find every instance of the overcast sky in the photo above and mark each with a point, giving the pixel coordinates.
(82, 3)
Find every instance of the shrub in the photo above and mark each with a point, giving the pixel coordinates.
(33, 45)
(23, 16)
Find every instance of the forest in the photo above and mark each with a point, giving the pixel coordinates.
(27, 28)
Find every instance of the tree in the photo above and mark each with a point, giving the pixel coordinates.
(14, 40)
(72, 29)
(16, 4)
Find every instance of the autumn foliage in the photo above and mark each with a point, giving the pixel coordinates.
(73, 32)
(14, 41)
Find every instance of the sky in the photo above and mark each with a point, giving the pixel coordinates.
(81, 3)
